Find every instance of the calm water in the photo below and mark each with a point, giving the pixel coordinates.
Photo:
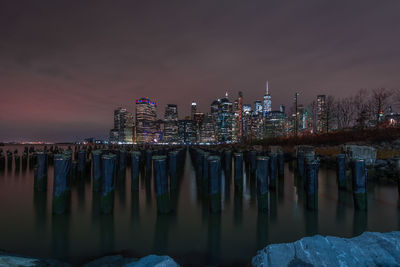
(191, 236)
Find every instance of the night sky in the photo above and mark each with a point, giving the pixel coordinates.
(66, 65)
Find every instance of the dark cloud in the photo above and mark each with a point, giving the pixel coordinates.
(66, 65)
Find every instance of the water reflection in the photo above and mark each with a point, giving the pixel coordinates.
(161, 233)
(281, 190)
(343, 198)
(238, 207)
(135, 208)
(121, 190)
(60, 236)
(262, 230)
(81, 190)
(273, 204)
(234, 234)
(214, 239)
(40, 207)
(360, 222)
(107, 233)
(147, 182)
(311, 222)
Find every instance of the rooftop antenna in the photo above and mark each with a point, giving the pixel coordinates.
(226, 94)
(267, 90)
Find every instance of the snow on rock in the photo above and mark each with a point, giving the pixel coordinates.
(368, 249)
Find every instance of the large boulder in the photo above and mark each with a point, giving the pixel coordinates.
(107, 261)
(367, 153)
(305, 149)
(368, 249)
(154, 260)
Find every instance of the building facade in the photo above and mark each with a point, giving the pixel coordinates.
(170, 131)
(146, 128)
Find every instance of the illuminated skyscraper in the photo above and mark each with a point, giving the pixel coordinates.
(321, 109)
(198, 118)
(207, 133)
(235, 122)
(258, 108)
(282, 108)
(193, 110)
(122, 126)
(214, 111)
(171, 124)
(267, 101)
(240, 116)
(225, 119)
(247, 114)
(186, 131)
(275, 124)
(128, 133)
(145, 120)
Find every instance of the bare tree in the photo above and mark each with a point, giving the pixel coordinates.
(345, 112)
(361, 108)
(329, 115)
(379, 103)
(312, 109)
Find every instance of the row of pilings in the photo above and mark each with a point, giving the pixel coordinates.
(105, 167)
(351, 176)
(263, 167)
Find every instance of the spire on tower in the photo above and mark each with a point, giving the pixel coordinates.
(266, 89)
(226, 94)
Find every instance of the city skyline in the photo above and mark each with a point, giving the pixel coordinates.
(60, 77)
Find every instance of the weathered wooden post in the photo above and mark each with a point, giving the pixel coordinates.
(341, 170)
(135, 168)
(40, 177)
(300, 163)
(360, 184)
(252, 161)
(262, 174)
(214, 175)
(161, 184)
(149, 162)
(69, 155)
(24, 160)
(228, 163)
(273, 170)
(238, 172)
(9, 160)
(32, 160)
(109, 170)
(122, 164)
(199, 158)
(2, 161)
(173, 172)
(62, 168)
(81, 163)
(281, 164)
(17, 161)
(96, 161)
(311, 173)
(397, 162)
(204, 164)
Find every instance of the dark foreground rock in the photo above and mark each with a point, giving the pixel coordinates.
(108, 261)
(368, 249)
